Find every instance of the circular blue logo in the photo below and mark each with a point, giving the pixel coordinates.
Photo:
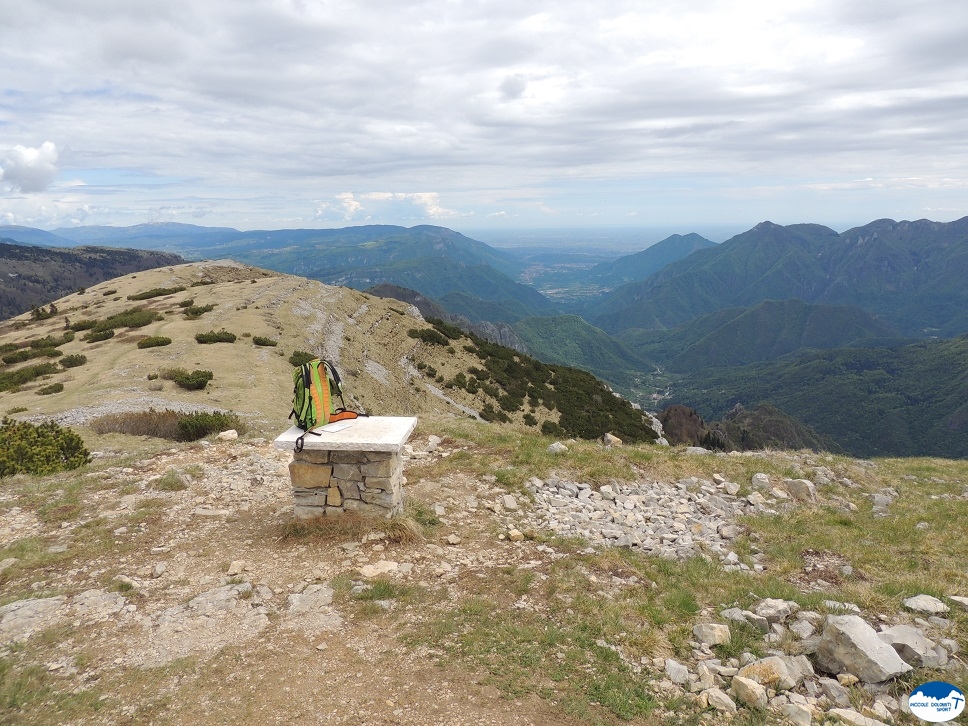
(936, 701)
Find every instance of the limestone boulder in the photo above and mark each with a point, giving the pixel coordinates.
(774, 610)
(772, 672)
(910, 643)
(750, 693)
(712, 633)
(850, 645)
(926, 604)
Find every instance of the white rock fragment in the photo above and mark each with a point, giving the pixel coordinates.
(926, 604)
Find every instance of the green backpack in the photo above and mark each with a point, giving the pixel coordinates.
(315, 386)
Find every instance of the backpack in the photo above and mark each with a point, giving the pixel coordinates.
(314, 386)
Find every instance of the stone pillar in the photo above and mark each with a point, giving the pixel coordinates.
(329, 483)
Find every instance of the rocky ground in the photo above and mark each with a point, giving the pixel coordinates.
(196, 603)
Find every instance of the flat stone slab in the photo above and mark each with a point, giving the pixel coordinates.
(367, 433)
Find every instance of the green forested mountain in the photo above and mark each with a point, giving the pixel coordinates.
(909, 274)
(769, 330)
(910, 400)
(649, 261)
(315, 252)
(443, 278)
(569, 340)
(34, 276)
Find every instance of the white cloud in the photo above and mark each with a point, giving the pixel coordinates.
(267, 110)
(29, 170)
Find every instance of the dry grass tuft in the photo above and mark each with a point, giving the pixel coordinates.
(352, 525)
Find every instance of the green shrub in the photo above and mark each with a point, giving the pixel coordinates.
(42, 313)
(12, 379)
(17, 409)
(451, 331)
(299, 357)
(200, 283)
(259, 340)
(194, 313)
(199, 424)
(550, 428)
(213, 336)
(187, 303)
(96, 336)
(109, 293)
(52, 388)
(155, 292)
(428, 335)
(152, 376)
(130, 318)
(49, 341)
(26, 354)
(194, 381)
(488, 413)
(154, 341)
(81, 325)
(167, 424)
(73, 361)
(42, 449)
(18, 356)
(9, 348)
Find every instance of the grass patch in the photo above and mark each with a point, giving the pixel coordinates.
(170, 481)
(168, 424)
(29, 694)
(352, 525)
(267, 342)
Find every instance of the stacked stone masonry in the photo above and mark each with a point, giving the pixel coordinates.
(329, 483)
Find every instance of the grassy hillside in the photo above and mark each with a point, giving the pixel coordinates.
(35, 276)
(392, 363)
(904, 401)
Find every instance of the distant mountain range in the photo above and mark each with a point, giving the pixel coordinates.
(649, 261)
(908, 274)
(776, 315)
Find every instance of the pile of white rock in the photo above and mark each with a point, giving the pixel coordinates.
(670, 520)
(833, 653)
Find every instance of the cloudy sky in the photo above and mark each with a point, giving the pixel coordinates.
(477, 114)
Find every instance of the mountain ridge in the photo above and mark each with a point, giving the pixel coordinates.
(908, 273)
